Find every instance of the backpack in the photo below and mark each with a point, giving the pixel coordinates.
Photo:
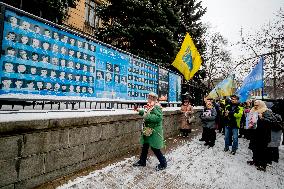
(277, 125)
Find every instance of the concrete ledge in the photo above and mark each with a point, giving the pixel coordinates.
(36, 151)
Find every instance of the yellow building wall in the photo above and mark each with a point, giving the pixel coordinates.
(77, 16)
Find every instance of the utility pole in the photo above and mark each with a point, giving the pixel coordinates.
(274, 72)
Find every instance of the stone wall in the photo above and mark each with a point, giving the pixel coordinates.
(34, 152)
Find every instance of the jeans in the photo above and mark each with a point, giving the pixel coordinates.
(229, 133)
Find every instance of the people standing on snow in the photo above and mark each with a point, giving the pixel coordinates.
(185, 125)
(222, 116)
(152, 133)
(233, 114)
(276, 132)
(261, 135)
(205, 101)
(208, 120)
(243, 120)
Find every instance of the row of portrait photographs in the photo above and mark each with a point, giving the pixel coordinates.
(140, 87)
(36, 57)
(144, 66)
(45, 46)
(142, 72)
(110, 77)
(142, 80)
(137, 94)
(112, 67)
(45, 73)
(21, 84)
(26, 26)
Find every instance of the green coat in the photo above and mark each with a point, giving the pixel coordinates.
(154, 120)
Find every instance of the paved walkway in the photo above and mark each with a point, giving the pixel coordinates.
(190, 165)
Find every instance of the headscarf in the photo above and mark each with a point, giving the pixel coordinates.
(261, 107)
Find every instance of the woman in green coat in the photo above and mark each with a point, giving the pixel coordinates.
(152, 135)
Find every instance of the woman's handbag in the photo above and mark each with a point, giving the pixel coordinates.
(147, 131)
(190, 119)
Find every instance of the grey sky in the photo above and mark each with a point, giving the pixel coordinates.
(228, 16)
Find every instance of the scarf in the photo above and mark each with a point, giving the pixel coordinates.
(261, 107)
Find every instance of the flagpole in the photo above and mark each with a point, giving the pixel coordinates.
(262, 92)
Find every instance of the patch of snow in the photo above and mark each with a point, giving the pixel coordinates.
(191, 165)
(25, 115)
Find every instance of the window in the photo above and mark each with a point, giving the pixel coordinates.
(90, 13)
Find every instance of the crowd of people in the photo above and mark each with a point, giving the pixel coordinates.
(253, 120)
(262, 125)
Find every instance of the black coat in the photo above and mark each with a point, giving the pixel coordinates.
(261, 136)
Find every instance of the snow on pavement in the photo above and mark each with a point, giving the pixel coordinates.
(191, 165)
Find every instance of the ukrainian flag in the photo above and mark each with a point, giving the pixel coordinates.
(224, 88)
(188, 60)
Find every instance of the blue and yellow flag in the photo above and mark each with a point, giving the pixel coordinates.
(224, 88)
(253, 81)
(188, 60)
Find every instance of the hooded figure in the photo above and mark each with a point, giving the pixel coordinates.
(261, 136)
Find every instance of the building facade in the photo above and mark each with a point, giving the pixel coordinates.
(84, 18)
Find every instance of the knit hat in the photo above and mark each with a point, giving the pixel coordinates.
(153, 94)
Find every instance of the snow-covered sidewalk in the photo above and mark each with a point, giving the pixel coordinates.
(191, 165)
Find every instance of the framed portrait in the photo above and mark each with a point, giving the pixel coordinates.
(14, 21)
(99, 75)
(35, 43)
(109, 67)
(23, 54)
(11, 36)
(18, 84)
(108, 77)
(116, 78)
(8, 67)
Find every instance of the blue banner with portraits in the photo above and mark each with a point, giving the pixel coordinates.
(142, 79)
(174, 87)
(39, 58)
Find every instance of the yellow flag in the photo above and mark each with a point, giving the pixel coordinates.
(224, 88)
(188, 60)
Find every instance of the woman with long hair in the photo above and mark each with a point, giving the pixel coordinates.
(261, 135)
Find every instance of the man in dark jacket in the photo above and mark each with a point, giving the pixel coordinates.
(233, 115)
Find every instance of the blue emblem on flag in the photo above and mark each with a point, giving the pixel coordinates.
(187, 58)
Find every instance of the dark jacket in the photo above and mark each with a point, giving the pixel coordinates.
(235, 115)
(262, 134)
(208, 118)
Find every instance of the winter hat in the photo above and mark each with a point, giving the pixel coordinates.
(153, 94)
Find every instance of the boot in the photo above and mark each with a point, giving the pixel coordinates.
(161, 167)
(139, 164)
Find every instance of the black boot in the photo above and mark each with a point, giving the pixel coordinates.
(161, 167)
(139, 164)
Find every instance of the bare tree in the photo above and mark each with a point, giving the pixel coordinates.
(216, 58)
(269, 43)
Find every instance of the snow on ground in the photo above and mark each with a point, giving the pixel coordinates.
(191, 165)
(25, 115)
